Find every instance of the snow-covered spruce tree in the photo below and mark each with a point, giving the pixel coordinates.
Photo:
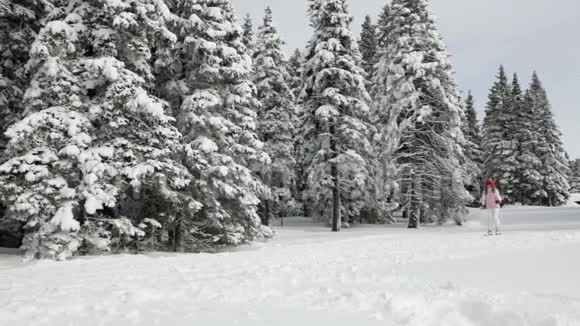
(529, 181)
(276, 118)
(575, 177)
(515, 104)
(216, 106)
(368, 46)
(335, 149)
(473, 129)
(294, 68)
(472, 147)
(92, 134)
(419, 117)
(20, 21)
(383, 29)
(499, 145)
(387, 138)
(248, 35)
(550, 150)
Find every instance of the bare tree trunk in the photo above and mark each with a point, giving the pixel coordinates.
(264, 209)
(335, 200)
(334, 173)
(415, 205)
(266, 220)
(177, 236)
(423, 215)
(173, 237)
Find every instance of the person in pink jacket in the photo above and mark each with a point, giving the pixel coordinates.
(491, 199)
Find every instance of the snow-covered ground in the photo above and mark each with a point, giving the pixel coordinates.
(373, 275)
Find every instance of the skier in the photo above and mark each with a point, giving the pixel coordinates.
(491, 199)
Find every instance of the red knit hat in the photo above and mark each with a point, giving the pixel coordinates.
(490, 182)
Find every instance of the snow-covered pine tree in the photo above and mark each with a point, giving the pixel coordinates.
(294, 68)
(550, 150)
(383, 29)
(276, 117)
(575, 176)
(419, 115)
(335, 149)
(387, 138)
(516, 106)
(529, 186)
(473, 132)
(92, 134)
(472, 147)
(216, 106)
(368, 46)
(248, 35)
(387, 108)
(499, 144)
(20, 21)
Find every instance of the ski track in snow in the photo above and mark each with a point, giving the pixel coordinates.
(367, 275)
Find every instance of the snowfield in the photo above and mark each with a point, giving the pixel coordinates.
(371, 275)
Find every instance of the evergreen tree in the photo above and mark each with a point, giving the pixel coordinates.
(499, 146)
(575, 177)
(382, 36)
(368, 46)
(216, 108)
(92, 134)
(295, 70)
(248, 34)
(276, 117)
(550, 150)
(515, 104)
(529, 184)
(473, 129)
(20, 21)
(472, 146)
(335, 149)
(383, 28)
(419, 116)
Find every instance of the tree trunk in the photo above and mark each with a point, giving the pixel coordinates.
(415, 204)
(335, 199)
(423, 215)
(334, 173)
(177, 237)
(265, 202)
(266, 220)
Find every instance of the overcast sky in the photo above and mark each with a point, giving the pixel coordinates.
(523, 35)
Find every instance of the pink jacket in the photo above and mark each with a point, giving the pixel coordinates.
(490, 199)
